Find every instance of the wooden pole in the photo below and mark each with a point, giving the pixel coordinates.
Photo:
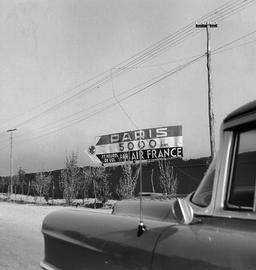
(208, 26)
(11, 160)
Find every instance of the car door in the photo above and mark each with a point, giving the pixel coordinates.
(226, 239)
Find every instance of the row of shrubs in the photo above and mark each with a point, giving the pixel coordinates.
(104, 183)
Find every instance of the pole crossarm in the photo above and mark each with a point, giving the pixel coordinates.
(204, 25)
(10, 130)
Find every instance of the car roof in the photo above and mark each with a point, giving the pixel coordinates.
(242, 111)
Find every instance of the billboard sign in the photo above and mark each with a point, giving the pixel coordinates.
(144, 144)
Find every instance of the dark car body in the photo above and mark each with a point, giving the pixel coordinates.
(219, 231)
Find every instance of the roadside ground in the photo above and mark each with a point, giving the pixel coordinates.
(21, 239)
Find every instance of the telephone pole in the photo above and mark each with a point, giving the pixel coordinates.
(11, 162)
(208, 26)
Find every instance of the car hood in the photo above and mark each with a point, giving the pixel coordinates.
(74, 236)
(80, 225)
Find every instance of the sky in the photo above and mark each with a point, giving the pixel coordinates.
(63, 81)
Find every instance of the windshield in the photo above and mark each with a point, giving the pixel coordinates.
(202, 196)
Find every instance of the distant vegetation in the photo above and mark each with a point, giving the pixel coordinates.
(103, 183)
(128, 181)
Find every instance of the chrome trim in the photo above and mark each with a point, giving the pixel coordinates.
(68, 239)
(47, 266)
(235, 215)
(224, 169)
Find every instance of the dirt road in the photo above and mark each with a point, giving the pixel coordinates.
(20, 235)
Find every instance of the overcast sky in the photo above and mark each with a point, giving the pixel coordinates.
(53, 55)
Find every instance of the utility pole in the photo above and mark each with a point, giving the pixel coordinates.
(208, 26)
(11, 162)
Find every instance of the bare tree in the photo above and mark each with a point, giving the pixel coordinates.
(98, 177)
(128, 181)
(3, 183)
(70, 179)
(41, 185)
(86, 181)
(168, 181)
(28, 186)
(21, 179)
(15, 183)
(101, 185)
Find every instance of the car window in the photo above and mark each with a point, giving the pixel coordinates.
(243, 173)
(202, 196)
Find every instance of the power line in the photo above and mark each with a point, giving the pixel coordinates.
(220, 9)
(56, 97)
(120, 105)
(124, 93)
(101, 110)
(179, 36)
(216, 51)
(234, 41)
(76, 121)
(234, 47)
(224, 11)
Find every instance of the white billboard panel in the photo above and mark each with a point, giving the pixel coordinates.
(145, 144)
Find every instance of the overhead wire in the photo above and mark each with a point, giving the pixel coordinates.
(234, 47)
(231, 8)
(216, 51)
(120, 105)
(224, 6)
(124, 93)
(227, 13)
(55, 97)
(234, 41)
(172, 72)
(152, 51)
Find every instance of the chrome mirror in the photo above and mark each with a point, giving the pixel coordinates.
(183, 211)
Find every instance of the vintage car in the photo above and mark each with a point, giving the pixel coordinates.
(211, 228)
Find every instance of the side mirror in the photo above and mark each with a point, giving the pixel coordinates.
(183, 211)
